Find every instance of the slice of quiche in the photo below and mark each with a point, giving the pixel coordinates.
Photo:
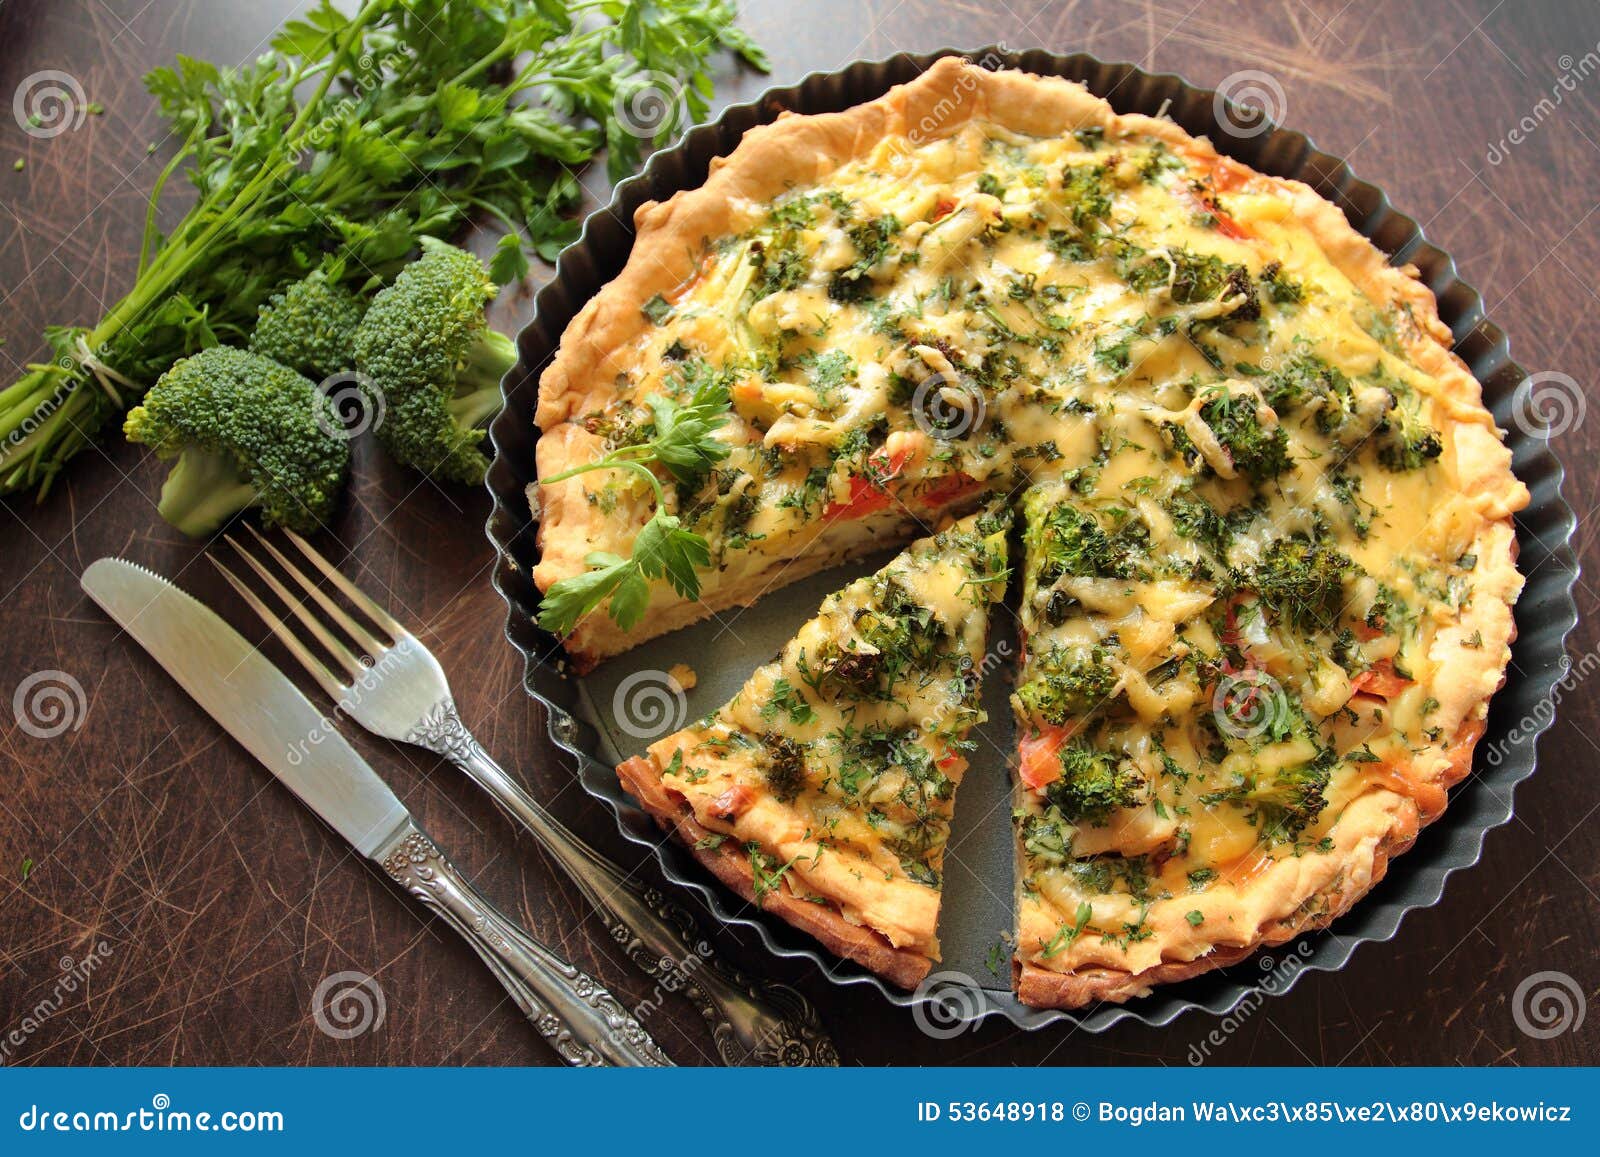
(823, 790)
(1222, 737)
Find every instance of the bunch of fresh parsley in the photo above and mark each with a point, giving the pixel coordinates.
(352, 138)
(681, 439)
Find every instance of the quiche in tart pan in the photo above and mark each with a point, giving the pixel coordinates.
(1264, 565)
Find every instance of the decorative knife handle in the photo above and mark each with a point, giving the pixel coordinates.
(659, 935)
(573, 1012)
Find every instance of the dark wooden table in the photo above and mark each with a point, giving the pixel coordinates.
(213, 905)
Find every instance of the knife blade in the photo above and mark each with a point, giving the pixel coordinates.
(257, 704)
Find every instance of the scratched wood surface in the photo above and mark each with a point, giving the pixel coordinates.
(213, 906)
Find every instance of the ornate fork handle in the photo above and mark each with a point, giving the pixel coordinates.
(582, 1021)
(658, 935)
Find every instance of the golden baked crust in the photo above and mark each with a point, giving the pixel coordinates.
(642, 777)
(1455, 500)
(1045, 988)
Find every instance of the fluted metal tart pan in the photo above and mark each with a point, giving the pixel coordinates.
(607, 715)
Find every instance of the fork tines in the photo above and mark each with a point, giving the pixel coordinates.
(342, 655)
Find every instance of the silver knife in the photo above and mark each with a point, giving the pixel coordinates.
(258, 705)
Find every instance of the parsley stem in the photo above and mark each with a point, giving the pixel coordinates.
(404, 133)
(166, 268)
(149, 239)
(614, 461)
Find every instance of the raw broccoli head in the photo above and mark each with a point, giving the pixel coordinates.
(426, 351)
(246, 432)
(1094, 783)
(308, 326)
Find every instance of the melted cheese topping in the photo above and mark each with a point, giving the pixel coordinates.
(1287, 513)
(836, 765)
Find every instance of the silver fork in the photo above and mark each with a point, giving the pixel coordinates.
(404, 695)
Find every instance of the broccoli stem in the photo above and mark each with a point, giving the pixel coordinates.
(477, 397)
(203, 491)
